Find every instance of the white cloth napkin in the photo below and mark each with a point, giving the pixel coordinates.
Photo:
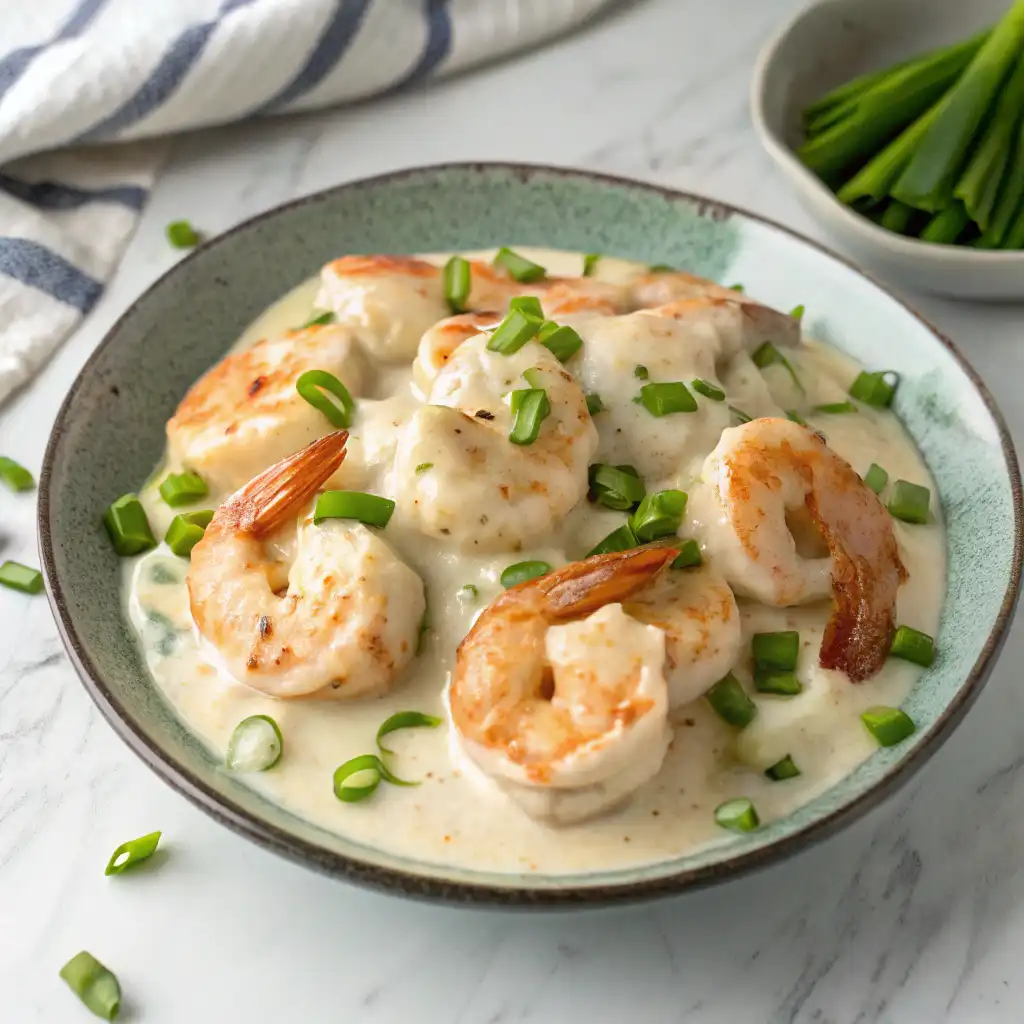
(78, 72)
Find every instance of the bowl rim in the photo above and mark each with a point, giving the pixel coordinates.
(434, 887)
(808, 181)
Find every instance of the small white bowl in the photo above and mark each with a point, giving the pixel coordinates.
(829, 43)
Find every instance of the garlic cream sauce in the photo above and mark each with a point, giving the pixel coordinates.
(456, 816)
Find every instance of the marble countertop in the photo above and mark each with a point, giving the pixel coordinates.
(914, 914)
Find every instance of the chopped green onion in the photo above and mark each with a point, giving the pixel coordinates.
(183, 489)
(594, 404)
(590, 261)
(688, 557)
(521, 572)
(707, 389)
(530, 305)
(888, 725)
(661, 268)
(736, 288)
(782, 684)
(319, 388)
(456, 279)
(366, 508)
(792, 414)
(319, 320)
(255, 745)
(186, 531)
(740, 415)
(730, 702)
(782, 770)
(835, 408)
(357, 778)
(909, 502)
(913, 645)
(621, 539)
(640, 372)
(534, 377)
(946, 226)
(776, 651)
(530, 407)
(876, 478)
(21, 577)
(519, 268)
(132, 852)
(563, 343)
(897, 217)
(424, 466)
(737, 815)
(658, 515)
(513, 332)
(182, 235)
(405, 720)
(663, 399)
(873, 389)
(616, 487)
(128, 526)
(18, 478)
(797, 312)
(468, 593)
(93, 984)
(767, 354)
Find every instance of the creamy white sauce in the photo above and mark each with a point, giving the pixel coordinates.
(457, 816)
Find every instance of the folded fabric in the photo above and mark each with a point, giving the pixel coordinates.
(74, 73)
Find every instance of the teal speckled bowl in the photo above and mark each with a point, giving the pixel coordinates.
(109, 433)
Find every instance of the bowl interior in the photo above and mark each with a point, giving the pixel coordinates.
(109, 435)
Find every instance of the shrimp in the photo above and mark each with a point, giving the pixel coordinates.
(768, 468)
(560, 697)
(348, 619)
(459, 478)
(244, 413)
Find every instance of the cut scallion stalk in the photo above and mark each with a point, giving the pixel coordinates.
(131, 853)
(640, 372)
(797, 312)
(621, 539)
(255, 745)
(468, 593)
(947, 225)
(876, 478)
(707, 389)
(913, 645)
(530, 407)
(795, 417)
(776, 651)
(661, 268)
(767, 354)
(21, 577)
(530, 305)
(325, 392)
(875, 389)
(590, 262)
(423, 467)
(897, 217)
(521, 572)
(94, 984)
(783, 770)
(457, 282)
(17, 477)
(737, 815)
(404, 720)
(126, 522)
(835, 408)
(182, 235)
(513, 332)
(594, 404)
(370, 509)
(563, 343)
(616, 487)
(739, 415)
(664, 399)
(781, 684)
(888, 725)
(319, 320)
(689, 555)
(730, 702)
(358, 777)
(179, 489)
(186, 531)
(658, 515)
(519, 268)
(909, 502)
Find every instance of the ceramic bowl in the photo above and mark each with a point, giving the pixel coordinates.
(109, 433)
(829, 43)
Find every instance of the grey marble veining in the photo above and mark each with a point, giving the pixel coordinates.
(916, 914)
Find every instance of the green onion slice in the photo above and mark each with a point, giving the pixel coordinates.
(456, 278)
(663, 399)
(519, 268)
(533, 376)
(876, 478)
(405, 720)
(126, 522)
(423, 467)
(707, 389)
(913, 645)
(468, 593)
(17, 477)
(621, 539)
(888, 725)
(776, 651)
(641, 372)
(325, 392)
(594, 404)
(530, 305)
(767, 354)
(186, 531)
(255, 745)
(590, 262)
(835, 408)
(737, 288)
(183, 489)
(93, 984)
(795, 417)
(616, 487)
(182, 235)
(730, 702)
(797, 312)
(909, 502)
(781, 684)
(737, 815)
(782, 770)
(358, 777)
(319, 320)
(530, 407)
(21, 577)
(513, 332)
(658, 515)
(563, 342)
(688, 557)
(521, 572)
(874, 388)
(739, 415)
(132, 852)
(661, 268)
(365, 508)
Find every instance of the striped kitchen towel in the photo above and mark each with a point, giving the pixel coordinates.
(78, 72)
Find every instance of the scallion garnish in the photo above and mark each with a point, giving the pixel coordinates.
(126, 522)
(707, 389)
(781, 684)
(737, 288)
(530, 407)
(366, 508)
(456, 278)
(186, 531)
(182, 235)
(835, 408)
(658, 515)
(776, 651)
(616, 487)
(767, 354)
(795, 417)
(661, 268)
(913, 645)
(468, 593)
(404, 720)
(873, 388)
(533, 377)
(688, 557)
(888, 725)
(519, 268)
(909, 502)
(783, 770)
(621, 539)
(530, 305)
(737, 815)
(594, 404)
(93, 984)
(179, 489)
(797, 312)
(513, 332)
(563, 342)
(423, 467)
(640, 372)
(730, 702)
(325, 392)
(319, 320)
(255, 745)
(131, 853)
(663, 399)
(17, 477)
(357, 778)
(590, 261)
(876, 478)
(21, 577)
(739, 415)
(521, 572)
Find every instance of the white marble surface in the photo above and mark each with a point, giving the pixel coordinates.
(914, 914)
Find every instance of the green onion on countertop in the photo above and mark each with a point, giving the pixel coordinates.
(131, 853)
(93, 984)
(17, 477)
(182, 235)
(21, 577)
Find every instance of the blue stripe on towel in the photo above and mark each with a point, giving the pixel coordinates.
(438, 46)
(38, 267)
(326, 55)
(52, 195)
(14, 64)
(178, 59)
